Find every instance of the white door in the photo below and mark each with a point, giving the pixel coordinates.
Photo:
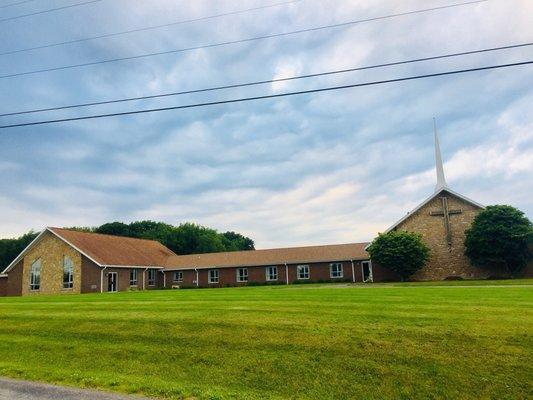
(112, 282)
(366, 270)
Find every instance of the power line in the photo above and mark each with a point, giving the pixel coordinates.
(255, 83)
(17, 3)
(49, 10)
(263, 97)
(149, 27)
(237, 41)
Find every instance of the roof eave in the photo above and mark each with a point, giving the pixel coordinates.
(359, 258)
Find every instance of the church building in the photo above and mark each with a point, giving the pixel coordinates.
(65, 261)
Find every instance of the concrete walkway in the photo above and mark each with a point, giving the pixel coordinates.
(11, 389)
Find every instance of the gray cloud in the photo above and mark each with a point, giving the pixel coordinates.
(324, 168)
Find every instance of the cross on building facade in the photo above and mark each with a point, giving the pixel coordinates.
(446, 212)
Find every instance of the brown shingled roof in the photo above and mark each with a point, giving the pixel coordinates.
(117, 250)
(291, 255)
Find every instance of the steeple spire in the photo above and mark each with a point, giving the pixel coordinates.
(441, 180)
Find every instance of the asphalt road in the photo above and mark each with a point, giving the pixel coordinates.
(11, 389)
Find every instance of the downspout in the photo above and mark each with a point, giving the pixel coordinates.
(144, 278)
(102, 279)
(353, 272)
(287, 273)
(164, 279)
(197, 277)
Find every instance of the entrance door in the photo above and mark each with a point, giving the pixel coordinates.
(366, 267)
(112, 283)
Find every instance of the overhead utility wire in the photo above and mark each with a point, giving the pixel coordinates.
(255, 83)
(270, 96)
(149, 27)
(237, 41)
(16, 4)
(49, 10)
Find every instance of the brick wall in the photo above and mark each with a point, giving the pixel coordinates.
(3, 286)
(14, 280)
(51, 251)
(228, 275)
(445, 260)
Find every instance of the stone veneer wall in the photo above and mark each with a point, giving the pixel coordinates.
(51, 251)
(445, 260)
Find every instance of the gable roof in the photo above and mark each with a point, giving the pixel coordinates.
(291, 255)
(437, 193)
(108, 250)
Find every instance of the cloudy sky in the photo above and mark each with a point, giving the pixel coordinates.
(322, 168)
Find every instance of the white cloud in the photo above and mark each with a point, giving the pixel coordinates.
(325, 168)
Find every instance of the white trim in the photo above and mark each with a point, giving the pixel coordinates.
(245, 275)
(132, 266)
(23, 253)
(211, 282)
(74, 247)
(154, 281)
(249, 265)
(341, 276)
(267, 276)
(3, 276)
(426, 201)
(116, 282)
(370, 272)
(298, 272)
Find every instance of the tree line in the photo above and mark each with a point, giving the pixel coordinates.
(186, 238)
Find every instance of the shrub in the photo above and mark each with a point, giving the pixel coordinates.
(500, 237)
(400, 251)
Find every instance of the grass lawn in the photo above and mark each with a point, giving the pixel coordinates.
(297, 342)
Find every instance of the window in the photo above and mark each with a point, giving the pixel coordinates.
(178, 276)
(151, 277)
(271, 273)
(213, 276)
(133, 277)
(35, 275)
(303, 271)
(335, 270)
(242, 274)
(68, 273)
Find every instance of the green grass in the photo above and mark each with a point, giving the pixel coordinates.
(297, 342)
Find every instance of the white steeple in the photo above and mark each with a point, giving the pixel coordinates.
(441, 180)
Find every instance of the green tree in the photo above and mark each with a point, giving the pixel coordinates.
(11, 248)
(114, 228)
(400, 251)
(235, 241)
(500, 236)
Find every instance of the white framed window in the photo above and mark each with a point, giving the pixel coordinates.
(35, 275)
(303, 271)
(336, 270)
(68, 273)
(134, 277)
(178, 276)
(213, 276)
(242, 274)
(271, 273)
(151, 277)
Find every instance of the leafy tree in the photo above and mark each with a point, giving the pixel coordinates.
(400, 251)
(11, 248)
(500, 236)
(114, 228)
(187, 238)
(235, 241)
